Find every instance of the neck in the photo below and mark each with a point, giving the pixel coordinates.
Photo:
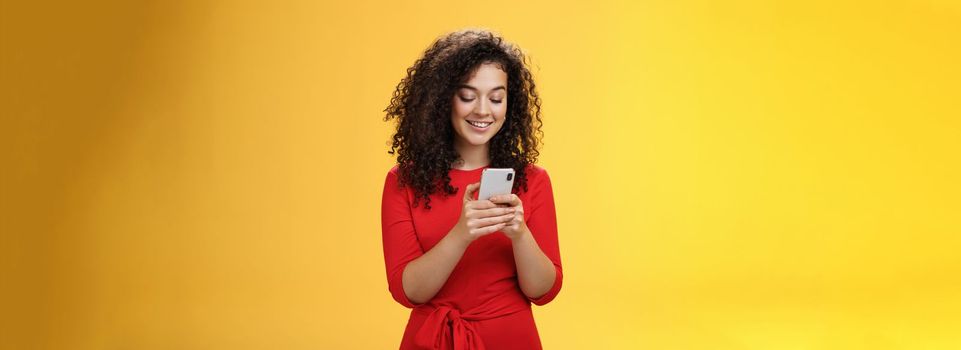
(471, 156)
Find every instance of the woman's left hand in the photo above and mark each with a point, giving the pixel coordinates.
(518, 227)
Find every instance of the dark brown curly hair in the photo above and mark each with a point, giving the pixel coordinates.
(421, 105)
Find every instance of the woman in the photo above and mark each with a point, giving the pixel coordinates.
(468, 268)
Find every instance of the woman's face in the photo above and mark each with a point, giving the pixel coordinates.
(479, 105)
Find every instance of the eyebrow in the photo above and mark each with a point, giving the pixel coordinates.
(465, 86)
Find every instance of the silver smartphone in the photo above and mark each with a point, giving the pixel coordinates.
(496, 181)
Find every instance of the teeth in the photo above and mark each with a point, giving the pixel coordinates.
(479, 124)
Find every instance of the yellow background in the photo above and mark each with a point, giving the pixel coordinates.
(728, 174)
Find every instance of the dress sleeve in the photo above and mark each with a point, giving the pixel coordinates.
(542, 221)
(400, 240)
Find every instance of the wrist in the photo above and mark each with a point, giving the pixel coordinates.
(523, 234)
(458, 238)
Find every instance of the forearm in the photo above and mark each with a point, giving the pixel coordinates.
(535, 271)
(425, 276)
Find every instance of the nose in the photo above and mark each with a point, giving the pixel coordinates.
(483, 109)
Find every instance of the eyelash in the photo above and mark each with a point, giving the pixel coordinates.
(469, 100)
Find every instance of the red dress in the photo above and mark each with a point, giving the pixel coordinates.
(481, 305)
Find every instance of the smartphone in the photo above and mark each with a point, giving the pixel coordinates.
(496, 181)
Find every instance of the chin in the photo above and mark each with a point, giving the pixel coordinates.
(479, 142)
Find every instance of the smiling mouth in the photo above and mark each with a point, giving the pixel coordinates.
(479, 125)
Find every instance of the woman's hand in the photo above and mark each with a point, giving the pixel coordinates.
(481, 217)
(515, 228)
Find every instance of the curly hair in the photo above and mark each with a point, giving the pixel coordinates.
(421, 105)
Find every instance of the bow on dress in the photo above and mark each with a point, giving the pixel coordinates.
(446, 327)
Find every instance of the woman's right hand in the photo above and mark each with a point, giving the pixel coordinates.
(479, 218)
